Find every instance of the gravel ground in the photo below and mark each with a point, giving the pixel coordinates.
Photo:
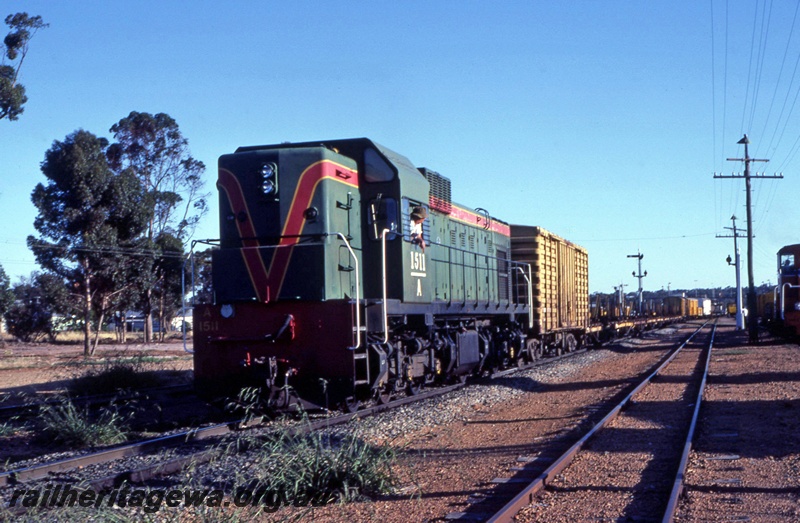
(451, 448)
(40, 368)
(745, 464)
(626, 472)
(31, 372)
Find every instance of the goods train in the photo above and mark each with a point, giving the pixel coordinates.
(346, 274)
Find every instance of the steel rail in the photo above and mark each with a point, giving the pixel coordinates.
(42, 471)
(143, 473)
(677, 488)
(175, 465)
(527, 495)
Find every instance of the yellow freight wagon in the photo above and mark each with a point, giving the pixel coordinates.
(693, 308)
(560, 282)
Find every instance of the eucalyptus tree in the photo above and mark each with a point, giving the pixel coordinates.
(14, 50)
(89, 222)
(6, 294)
(153, 149)
(42, 307)
(29, 318)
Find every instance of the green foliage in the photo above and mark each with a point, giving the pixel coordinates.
(12, 94)
(29, 323)
(30, 317)
(8, 428)
(320, 468)
(6, 294)
(204, 287)
(247, 404)
(88, 218)
(66, 423)
(153, 148)
(15, 48)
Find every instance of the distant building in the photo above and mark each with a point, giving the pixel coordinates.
(179, 319)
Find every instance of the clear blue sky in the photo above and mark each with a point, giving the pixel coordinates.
(602, 121)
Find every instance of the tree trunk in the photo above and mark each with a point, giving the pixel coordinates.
(97, 332)
(87, 310)
(161, 325)
(148, 317)
(104, 304)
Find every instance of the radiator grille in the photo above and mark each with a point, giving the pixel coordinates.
(439, 198)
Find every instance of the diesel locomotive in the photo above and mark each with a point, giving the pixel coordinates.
(346, 274)
(787, 293)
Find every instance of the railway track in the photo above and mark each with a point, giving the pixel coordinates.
(618, 468)
(146, 460)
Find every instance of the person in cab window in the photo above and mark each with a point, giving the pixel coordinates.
(418, 215)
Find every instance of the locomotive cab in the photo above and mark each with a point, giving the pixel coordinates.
(788, 305)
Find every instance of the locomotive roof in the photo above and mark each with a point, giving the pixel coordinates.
(347, 146)
(790, 248)
(353, 147)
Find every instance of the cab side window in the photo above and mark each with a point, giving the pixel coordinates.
(383, 214)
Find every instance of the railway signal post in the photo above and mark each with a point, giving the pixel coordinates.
(639, 255)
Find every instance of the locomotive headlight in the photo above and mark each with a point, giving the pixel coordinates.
(269, 178)
(268, 186)
(268, 170)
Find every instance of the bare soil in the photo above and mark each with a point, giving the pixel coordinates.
(42, 368)
(745, 464)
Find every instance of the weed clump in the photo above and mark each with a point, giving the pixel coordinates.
(113, 376)
(65, 423)
(316, 468)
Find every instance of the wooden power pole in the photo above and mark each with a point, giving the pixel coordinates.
(752, 303)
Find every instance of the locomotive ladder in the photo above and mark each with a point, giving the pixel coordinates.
(357, 328)
(361, 366)
(360, 356)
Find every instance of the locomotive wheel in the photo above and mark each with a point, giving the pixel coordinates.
(535, 350)
(413, 388)
(351, 404)
(382, 396)
(570, 343)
